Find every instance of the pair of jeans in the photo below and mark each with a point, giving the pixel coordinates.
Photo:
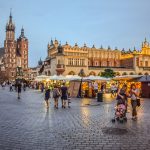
(134, 105)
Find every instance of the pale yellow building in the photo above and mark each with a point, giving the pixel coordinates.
(67, 59)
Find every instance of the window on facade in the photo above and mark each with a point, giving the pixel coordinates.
(146, 63)
(141, 63)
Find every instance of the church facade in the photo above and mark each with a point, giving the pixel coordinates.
(15, 58)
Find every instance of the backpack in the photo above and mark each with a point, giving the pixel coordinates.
(56, 93)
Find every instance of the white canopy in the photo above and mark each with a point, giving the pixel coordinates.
(127, 77)
(96, 78)
(73, 77)
(41, 78)
(56, 77)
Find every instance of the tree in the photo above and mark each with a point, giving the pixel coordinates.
(108, 73)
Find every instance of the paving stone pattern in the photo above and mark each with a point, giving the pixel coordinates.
(26, 124)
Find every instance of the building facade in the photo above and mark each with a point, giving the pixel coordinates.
(15, 52)
(67, 59)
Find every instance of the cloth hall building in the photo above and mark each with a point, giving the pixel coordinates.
(70, 60)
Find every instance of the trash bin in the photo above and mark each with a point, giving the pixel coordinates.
(100, 97)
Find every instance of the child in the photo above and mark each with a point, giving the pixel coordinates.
(69, 100)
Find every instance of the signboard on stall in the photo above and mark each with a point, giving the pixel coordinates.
(74, 88)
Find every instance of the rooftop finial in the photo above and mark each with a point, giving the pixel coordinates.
(22, 32)
(10, 17)
(84, 44)
(51, 41)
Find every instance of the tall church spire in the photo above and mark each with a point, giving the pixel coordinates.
(10, 25)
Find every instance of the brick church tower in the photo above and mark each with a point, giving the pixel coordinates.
(16, 52)
(22, 53)
(10, 49)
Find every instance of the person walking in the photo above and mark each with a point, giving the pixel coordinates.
(19, 86)
(11, 88)
(64, 95)
(24, 86)
(134, 93)
(113, 90)
(56, 95)
(47, 96)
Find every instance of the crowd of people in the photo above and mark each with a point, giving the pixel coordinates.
(61, 92)
(16, 86)
(58, 92)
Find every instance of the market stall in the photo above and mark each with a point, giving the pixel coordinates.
(128, 80)
(145, 86)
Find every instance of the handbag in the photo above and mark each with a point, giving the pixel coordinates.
(138, 102)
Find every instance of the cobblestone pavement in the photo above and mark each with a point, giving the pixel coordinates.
(26, 124)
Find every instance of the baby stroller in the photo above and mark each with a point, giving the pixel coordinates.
(120, 112)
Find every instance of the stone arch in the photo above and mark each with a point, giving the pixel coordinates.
(131, 73)
(117, 74)
(140, 73)
(146, 74)
(92, 73)
(124, 73)
(71, 73)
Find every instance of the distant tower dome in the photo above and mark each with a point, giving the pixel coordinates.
(109, 48)
(76, 44)
(116, 48)
(101, 47)
(130, 50)
(93, 46)
(134, 50)
(10, 26)
(52, 42)
(145, 40)
(123, 51)
(60, 48)
(48, 45)
(85, 45)
(22, 34)
(40, 63)
(66, 43)
(56, 41)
